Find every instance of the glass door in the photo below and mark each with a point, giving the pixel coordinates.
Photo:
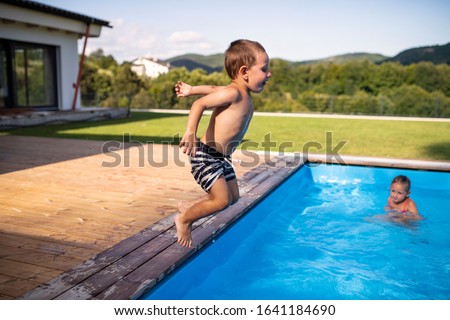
(27, 76)
(34, 75)
(3, 77)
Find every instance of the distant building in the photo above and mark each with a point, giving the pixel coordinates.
(39, 59)
(149, 66)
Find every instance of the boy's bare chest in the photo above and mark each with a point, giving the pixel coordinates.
(239, 112)
(244, 109)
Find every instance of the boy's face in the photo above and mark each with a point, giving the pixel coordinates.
(399, 192)
(259, 73)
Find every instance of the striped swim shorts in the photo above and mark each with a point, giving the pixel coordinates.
(208, 165)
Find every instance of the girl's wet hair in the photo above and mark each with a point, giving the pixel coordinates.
(241, 53)
(403, 180)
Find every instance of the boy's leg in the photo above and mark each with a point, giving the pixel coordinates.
(234, 190)
(219, 198)
(183, 206)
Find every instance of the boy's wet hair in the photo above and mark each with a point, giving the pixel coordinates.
(241, 53)
(403, 180)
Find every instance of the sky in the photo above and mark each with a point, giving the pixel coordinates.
(295, 30)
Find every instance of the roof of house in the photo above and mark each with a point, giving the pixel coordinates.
(33, 5)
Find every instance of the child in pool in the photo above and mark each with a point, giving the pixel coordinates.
(401, 207)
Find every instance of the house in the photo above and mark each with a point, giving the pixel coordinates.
(39, 61)
(152, 68)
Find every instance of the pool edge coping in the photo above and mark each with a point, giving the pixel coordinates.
(320, 158)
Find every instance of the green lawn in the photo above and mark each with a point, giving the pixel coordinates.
(376, 138)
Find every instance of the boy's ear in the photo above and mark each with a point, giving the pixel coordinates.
(243, 71)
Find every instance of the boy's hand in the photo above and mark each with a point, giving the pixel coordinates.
(188, 143)
(182, 89)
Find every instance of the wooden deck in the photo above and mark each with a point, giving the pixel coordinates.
(80, 226)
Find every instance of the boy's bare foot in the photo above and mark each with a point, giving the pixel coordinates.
(183, 232)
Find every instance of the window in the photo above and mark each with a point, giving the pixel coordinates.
(3, 77)
(28, 75)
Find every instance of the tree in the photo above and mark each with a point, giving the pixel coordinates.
(410, 100)
(351, 87)
(426, 76)
(126, 84)
(98, 58)
(386, 76)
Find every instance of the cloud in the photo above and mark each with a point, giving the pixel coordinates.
(185, 36)
(127, 41)
(181, 42)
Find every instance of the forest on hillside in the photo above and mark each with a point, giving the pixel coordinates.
(355, 87)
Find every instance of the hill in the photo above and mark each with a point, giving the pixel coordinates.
(435, 54)
(192, 61)
(214, 62)
(343, 58)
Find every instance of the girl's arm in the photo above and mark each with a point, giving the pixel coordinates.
(388, 206)
(185, 90)
(413, 209)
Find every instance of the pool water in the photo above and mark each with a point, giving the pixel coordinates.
(323, 235)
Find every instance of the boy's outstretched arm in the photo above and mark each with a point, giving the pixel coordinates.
(185, 90)
(218, 98)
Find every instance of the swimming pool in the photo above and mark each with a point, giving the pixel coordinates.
(321, 235)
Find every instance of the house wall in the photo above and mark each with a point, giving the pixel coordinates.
(67, 55)
(151, 68)
(21, 24)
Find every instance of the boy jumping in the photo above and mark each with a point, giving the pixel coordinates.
(247, 64)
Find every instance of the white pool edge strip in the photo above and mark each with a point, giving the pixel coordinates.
(366, 161)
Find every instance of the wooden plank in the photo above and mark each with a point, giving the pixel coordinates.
(5, 296)
(18, 148)
(52, 247)
(148, 274)
(11, 286)
(26, 271)
(67, 234)
(79, 223)
(92, 244)
(74, 226)
(59, 285)
(58, 262)
(117, 270)
(105, 211)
